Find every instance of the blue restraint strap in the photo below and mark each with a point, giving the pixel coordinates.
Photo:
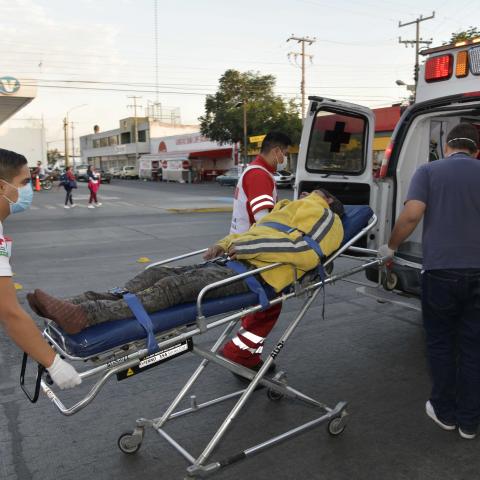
(252, 283)
(143, 319)
(310, 241)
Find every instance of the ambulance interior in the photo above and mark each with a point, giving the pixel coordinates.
(424, 142)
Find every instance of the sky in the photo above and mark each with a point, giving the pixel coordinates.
(109, 46)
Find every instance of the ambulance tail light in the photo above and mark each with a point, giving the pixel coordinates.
(474, 55)
(461, 68)
(385, 161)
(439, 68)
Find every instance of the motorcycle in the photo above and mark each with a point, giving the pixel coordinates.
(45, 182)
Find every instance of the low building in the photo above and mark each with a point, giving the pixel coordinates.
(114, 149)
(25, 136)
(385, 121)
(191, 157)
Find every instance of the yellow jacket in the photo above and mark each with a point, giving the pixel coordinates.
(262, 245)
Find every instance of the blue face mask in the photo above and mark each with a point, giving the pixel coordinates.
(25, 197)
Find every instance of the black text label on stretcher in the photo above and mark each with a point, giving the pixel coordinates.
(157, 358)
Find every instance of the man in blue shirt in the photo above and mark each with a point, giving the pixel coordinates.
(446, 194)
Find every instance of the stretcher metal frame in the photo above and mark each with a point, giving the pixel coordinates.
(117, 360)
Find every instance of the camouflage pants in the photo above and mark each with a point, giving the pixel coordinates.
(159, 288)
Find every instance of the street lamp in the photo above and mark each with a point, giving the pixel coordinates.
(410, 88)
(401, 83)
(65, 130)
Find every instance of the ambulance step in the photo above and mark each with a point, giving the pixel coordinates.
(397, 298)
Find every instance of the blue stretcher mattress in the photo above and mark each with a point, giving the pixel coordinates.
(106, 336)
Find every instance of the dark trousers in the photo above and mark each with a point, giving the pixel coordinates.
(159, 288)
(68, 196)
(451, 316)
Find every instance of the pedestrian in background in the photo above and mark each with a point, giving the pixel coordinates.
(93, 186)
(446, 194)
(69, 183)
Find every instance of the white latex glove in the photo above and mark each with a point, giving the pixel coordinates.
(385, 251)
(63, 374)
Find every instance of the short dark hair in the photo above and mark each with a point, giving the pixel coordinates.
(10, 164)
(336, 206)
(275, 139)
(463, 136)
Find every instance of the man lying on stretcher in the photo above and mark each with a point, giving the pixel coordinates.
(316, 214)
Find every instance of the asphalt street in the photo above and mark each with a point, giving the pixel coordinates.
(368, 354)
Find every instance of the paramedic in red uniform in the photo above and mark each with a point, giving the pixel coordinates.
(255, 196)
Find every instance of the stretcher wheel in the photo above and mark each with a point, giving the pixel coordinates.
(390, 281)
(336, 426)
(129, 443)
(273, 395)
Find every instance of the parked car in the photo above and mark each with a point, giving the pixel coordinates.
(228, 178)
(115, 172)
(105, 177)
(129, 172)
(284, 178)
(81, 172)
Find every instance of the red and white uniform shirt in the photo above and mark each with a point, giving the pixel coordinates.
(5, 254)
(255, 192)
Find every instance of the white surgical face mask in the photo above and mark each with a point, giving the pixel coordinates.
(25, 197)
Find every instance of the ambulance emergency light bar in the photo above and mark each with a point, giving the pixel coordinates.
(440, 67)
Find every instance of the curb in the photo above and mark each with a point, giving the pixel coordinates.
(200, 210)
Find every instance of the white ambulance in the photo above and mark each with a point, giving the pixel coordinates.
(336, 148)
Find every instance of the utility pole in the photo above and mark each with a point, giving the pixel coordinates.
(156, 52)
(303, 41)
(135, 121)
(73, 142)
(416, 43)
(65, 134)
(245, 144)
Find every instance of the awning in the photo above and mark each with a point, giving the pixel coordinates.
(14, 95)
(217, 153)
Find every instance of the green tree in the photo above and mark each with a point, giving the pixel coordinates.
(53, 155)
(266, 111)
(471, 32)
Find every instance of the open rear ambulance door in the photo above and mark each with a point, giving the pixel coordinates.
(336, 151)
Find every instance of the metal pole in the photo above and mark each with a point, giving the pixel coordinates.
(65, 132)
(302, 85)
(416, 43)
(245, 144)
(73, 143)
(302, 40)
(135, 122)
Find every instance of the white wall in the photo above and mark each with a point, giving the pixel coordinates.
(28, 140)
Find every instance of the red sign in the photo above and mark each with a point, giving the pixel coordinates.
(164, 164)
(185, 164)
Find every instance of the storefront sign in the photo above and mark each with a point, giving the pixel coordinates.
(9, 85)
(256, 139)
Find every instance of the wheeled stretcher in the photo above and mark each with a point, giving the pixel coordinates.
(127, 347)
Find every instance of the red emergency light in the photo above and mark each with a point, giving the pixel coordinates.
(439, 68)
